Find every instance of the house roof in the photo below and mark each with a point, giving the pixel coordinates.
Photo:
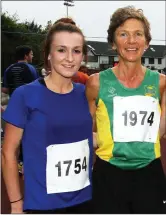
(104, 49)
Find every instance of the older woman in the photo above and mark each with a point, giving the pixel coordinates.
(127, 102)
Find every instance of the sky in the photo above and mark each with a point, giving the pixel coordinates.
(91, 16)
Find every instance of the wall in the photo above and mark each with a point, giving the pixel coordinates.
(156, 65)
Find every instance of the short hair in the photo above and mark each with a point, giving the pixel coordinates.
(60, 27)
(21, 51)
(123, 14)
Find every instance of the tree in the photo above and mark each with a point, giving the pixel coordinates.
(48, 26)
(15, 33)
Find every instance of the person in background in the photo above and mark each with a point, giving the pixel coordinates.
(81, 76)
(16, 75)
(128, 104)
(21, 72)
(51, 116)
(164, 71)
(43, 72)
(2, 124)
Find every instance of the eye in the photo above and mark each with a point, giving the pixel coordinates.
(123, 34)
(139, 34)
(77, 51)
(61, 50)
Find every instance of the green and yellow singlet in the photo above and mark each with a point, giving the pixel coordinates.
(128, 121)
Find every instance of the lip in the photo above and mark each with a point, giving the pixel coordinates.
(68, 66)
(131, 49)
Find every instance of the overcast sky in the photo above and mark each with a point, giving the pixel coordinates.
(91, 16)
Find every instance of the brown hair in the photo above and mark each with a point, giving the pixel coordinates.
(123, 14)
(65, 20)
(60, 27)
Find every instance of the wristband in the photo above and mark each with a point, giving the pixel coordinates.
(17, 200)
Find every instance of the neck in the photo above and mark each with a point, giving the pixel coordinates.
(24, 61)
(130, 70)
(58, 83)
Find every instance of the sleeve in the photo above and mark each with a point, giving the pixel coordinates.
(34, 72)
(30, 74)
(16, 112)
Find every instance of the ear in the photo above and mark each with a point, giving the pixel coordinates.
(25, 57)
(113, 46)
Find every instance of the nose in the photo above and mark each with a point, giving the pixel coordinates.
(69, 56)
(131, 39)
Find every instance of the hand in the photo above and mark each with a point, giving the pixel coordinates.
(17, 207)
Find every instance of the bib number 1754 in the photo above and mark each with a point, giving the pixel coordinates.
(78, 166)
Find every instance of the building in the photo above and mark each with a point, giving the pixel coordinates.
(101, 56)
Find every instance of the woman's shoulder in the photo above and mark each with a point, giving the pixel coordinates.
(28, 88)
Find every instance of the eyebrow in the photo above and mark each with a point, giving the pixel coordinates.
(61, 46)
(129, 31)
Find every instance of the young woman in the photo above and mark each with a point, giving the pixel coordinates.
(127, 102)
(52, 118)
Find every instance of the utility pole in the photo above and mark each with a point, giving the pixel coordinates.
(68, 3)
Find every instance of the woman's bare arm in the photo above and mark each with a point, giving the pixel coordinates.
(163, 105)
(10, 146)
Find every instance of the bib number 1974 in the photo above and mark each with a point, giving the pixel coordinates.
(133, 117)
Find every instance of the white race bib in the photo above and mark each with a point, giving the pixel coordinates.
(135, 118)
(67, 167)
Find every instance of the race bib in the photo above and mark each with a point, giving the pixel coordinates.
(135, 118)
(67, 168)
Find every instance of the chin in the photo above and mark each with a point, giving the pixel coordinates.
(68, 75)
(132, 60)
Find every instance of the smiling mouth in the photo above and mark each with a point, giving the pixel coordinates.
(68, 66)
(131, 49)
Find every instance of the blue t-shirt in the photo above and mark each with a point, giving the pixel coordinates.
(19, 74)
(57, 145)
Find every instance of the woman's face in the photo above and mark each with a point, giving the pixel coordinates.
(130, 41)
(66, 53)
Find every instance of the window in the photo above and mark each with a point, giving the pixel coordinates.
(143, 60)
(159, 61)
(111, 60)
(92, 58)
(151, 60)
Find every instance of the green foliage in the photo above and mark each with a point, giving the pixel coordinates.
(15, 33)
